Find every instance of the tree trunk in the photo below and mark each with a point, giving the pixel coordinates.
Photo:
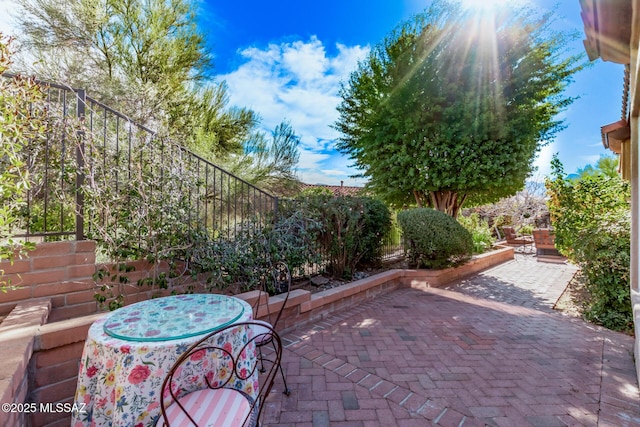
(447, 201)
(422, 199)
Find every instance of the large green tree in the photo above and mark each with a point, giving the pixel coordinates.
(454, 105)
(270, 163)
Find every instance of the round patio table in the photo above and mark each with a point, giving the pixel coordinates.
(129, 351)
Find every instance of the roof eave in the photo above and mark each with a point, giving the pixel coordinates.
(607, 25)
(614, 134)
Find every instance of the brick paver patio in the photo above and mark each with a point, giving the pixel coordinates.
(524, 282)
(486, 351)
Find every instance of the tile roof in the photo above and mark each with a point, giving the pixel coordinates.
(337, 190)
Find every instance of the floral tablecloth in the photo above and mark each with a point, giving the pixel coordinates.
(120, 380)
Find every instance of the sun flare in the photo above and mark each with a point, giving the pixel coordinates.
(484, 5)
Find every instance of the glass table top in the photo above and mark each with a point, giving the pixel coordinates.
(174, 317)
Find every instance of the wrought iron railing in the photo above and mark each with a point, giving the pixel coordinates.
(392, 245)
(90, 140)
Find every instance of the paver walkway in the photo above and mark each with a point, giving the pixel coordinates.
(524, 282)
(420, 357)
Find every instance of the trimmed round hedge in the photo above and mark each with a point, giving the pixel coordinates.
(433, 239)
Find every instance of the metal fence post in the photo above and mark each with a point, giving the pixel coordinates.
(82, 97)
(276, 204)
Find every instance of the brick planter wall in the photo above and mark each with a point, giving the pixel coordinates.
(40, 363)
(60, 271)
(435, 278)
(53, 369)
(17, 334)
(63, 272)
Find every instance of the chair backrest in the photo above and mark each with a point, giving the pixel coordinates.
(212, 362)
(509, 233)
(278, 282)
(544, 238)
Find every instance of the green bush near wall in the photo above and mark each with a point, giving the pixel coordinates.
(353, 230)
(481, 234)
(592, 222)
(434, 239)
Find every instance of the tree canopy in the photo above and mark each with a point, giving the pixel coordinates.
(454, 105)
(270, 163)
(145, 58)
(607, 165)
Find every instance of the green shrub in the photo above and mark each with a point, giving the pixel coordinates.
(591, 218)
(377, 225)
(434, 239)
(23, 122)
(353, 229)
(605, 265)
(526, 229)
(241, 263)
(480, 232)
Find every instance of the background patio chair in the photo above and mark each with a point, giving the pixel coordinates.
(278, 284)
(218, 404)
(515, 239)
(544, 239)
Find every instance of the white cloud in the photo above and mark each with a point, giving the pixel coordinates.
(329, 177)
(310, 159)
(307, 62)
(595, 145)
(543, 161)
(7, 21)
(298, 81)
(333, 172)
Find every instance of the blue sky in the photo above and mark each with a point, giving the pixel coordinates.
(285, 59)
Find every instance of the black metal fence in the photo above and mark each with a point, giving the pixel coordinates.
(53, 196)
(393, 245)
(188, 187)
(93, 145)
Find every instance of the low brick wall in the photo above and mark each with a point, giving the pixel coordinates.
(435, 278)
(63, 272)
(315, 307)
(17, 333)
(322, 304)
(60, 271)
(54, 367)
(40, 361)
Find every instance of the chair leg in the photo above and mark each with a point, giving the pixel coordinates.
(286, 391)
(262, 369)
